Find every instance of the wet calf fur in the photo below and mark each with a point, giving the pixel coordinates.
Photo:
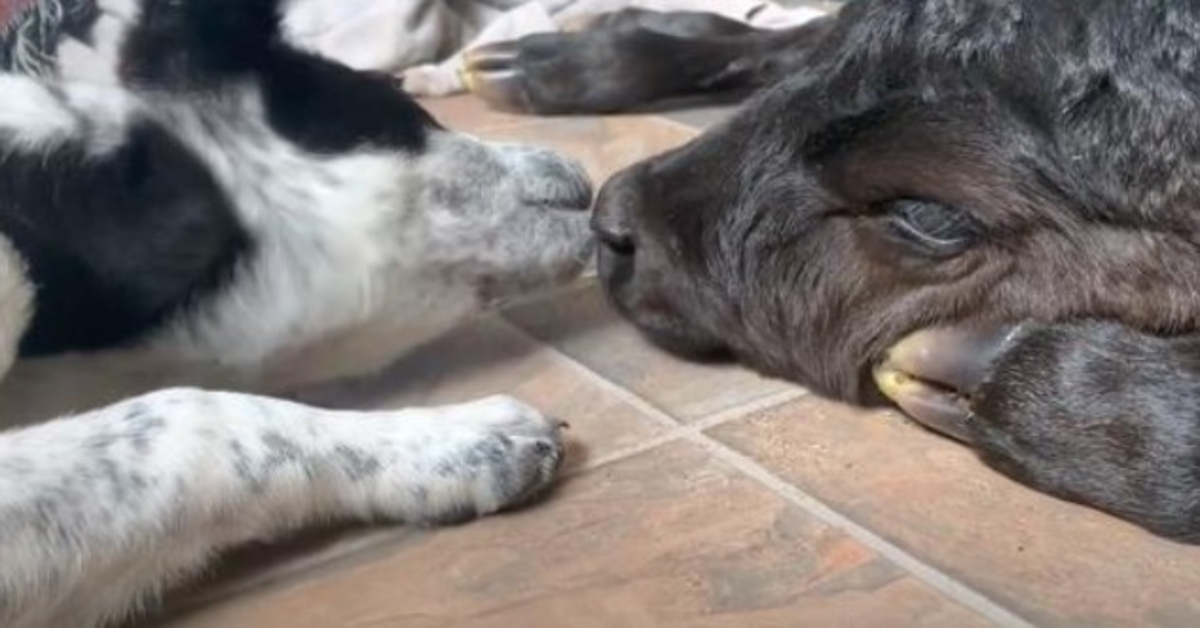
(1025, 165)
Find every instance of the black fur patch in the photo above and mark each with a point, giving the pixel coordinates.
(118, 245)
(323, 106)
(328, 108)
(115, 245)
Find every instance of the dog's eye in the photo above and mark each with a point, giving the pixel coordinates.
(932, 227)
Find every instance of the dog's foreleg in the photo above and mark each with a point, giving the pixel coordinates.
(101, 511)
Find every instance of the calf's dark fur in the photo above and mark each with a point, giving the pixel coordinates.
(1022, 174)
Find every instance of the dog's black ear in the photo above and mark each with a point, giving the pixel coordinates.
(190, 42)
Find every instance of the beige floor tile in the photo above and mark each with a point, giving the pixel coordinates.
(483, 358)
(581, 325)
(469, 114)
(490, 357)
(603, 145)
(1053, 562)
(825, 5)
(669, 538)
(702, 118)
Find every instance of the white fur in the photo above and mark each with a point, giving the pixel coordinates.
(36, 118)
(357, 257)
(335, 235)
(31, 116)
(103, 511)
(16, 304)
(358, 253)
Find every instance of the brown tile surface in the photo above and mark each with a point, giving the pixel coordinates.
(668, 538)
(469, 114)
(580, 324)
(702, 118)
(1052, 562)
(482, 358)
(604, 145)
(827, 5)
(490, 357)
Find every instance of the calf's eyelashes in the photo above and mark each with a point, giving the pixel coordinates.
(929, 228)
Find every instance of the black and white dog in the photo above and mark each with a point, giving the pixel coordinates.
(236, 214)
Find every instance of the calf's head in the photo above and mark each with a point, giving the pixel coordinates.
(915, 176)
(937, 164)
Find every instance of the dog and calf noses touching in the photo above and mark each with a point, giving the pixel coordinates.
(980, 212)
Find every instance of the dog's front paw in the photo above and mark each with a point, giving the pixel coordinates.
(477, 458)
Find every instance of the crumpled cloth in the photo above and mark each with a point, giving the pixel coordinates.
(30, 31)
(422, 40)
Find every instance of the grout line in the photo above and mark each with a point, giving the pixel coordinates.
(675, 429)
(660, 416)
(629, 452)
(755, 406)
(683, 431)
(942, 582)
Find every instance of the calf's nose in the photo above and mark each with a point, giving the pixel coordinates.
(616, 205)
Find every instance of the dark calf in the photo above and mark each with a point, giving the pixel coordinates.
(984, 210)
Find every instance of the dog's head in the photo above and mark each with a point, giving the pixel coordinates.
(503, 218)
(936, 163)
(258, 200)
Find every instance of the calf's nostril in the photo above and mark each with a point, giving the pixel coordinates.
(579, 186)
(611, 219)
(618, 238)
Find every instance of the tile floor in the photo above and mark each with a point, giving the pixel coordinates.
(697, 496)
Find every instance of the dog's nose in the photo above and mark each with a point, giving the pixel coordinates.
(611, 220)
(572, 189)
(549, 179)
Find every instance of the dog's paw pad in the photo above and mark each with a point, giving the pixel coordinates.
(489, 455)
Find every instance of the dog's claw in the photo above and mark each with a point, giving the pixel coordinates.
(932, 374)
(490, 73)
